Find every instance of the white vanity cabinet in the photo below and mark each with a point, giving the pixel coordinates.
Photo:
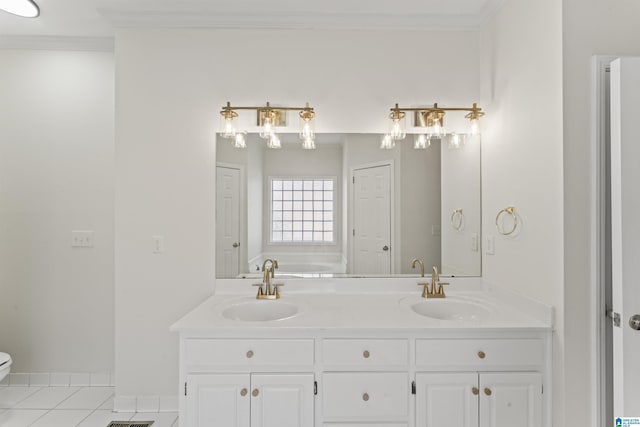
(248, 383)
(470, 394)
(363, 360)
(365, 381)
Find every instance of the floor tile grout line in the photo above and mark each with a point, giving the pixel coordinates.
(68, 397)
(90, 413)
(26, 397)
(37, 419)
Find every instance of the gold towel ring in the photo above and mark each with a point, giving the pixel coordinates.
(457, 219)
(510, 211)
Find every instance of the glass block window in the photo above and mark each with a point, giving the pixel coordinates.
(302, 210)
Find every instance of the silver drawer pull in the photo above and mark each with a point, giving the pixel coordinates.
(487, 391)
(249, 354)
(366, 354)
(365, 397)
(255, 392)
(481, 354)
(243, 392)
(475, 391)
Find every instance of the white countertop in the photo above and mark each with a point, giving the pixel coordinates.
(378, 304)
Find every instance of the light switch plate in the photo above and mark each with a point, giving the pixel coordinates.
(82, 238)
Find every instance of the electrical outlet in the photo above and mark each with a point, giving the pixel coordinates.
(158, 244)
(82, 238)
(474, 242)
(491, 246)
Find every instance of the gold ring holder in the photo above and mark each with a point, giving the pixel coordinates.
(507, 211)
(457, 219)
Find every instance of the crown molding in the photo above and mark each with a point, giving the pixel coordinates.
(136, 18)
(97, 44)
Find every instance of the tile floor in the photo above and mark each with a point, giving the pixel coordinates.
(68, 407)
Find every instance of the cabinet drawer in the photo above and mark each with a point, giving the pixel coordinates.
(479, 354)
(365, 353)
(379, 396)
(203, 353)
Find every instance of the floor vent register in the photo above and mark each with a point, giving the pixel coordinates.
(130, 424)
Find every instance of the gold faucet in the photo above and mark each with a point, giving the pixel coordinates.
(419, 262)
(270, 291)
(437, 289)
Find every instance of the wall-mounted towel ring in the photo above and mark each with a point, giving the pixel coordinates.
(507, 211)
(457, 219)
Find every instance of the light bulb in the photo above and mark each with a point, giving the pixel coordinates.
(475, 126)
(267, 127)
(23, 8)
(229, 130)
(240, 141)
(455, 141)
(307, 123)
(309, 143)
(421, 142)
(387, 142)
(274, 142)
(436, 130)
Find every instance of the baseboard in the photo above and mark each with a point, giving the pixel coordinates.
(58, 379)
(145, 404)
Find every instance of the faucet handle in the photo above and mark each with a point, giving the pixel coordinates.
(440, 287)
(425, 290)
(260, 291)
(276, 292)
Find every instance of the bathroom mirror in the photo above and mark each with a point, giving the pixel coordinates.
(348, 208)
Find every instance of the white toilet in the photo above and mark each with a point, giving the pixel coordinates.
(5, 365)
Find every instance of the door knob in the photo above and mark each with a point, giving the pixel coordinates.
(385, 248)
(634, 322)
(236, 244)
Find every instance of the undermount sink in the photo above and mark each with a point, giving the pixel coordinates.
(449, 309)
(260, 310)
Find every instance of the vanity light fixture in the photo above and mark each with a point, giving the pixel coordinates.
(269, 118)
(387, 142)
(23, 8)
(421, 141)
(431, 118)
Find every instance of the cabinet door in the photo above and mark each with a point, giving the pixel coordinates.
(282, 400)
(511, 399)
(447, 400)
(221, 400)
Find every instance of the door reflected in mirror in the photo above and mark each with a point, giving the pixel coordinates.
(348, 208)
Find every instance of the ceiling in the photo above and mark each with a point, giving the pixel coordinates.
(99, 18)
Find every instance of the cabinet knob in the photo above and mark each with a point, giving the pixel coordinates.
(365, 397)
(243, 392)
(255, 392)
(487, 391)
(475, 391)
(481, 354)
(366, 354)
(249, 354)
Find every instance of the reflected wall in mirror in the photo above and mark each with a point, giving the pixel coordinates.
(348, 208)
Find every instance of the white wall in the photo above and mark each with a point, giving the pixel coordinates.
(522, 159)
(461, 189)
(590, 27)
(170, 87)
(56, 175)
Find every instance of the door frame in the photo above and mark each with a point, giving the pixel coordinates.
(242, 256)
(392, 201)
(602, 410)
